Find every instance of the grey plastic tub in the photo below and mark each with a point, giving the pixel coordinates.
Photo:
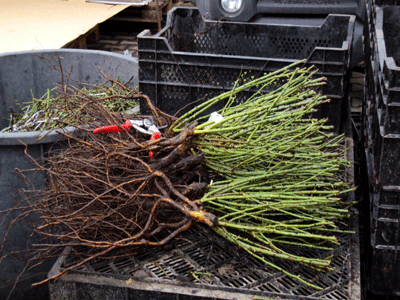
(23, 74)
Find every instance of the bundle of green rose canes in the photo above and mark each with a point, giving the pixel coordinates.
(281, 170)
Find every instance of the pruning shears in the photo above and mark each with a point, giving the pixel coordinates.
(145, 126)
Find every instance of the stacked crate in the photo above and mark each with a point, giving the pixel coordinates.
(193, 58)
(381, 120)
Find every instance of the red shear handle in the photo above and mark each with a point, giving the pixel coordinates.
(153, 137)
(113, 128)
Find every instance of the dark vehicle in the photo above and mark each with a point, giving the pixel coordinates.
(291, 12)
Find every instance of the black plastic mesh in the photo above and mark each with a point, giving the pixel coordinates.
(201, 258)
(193, 58)
(190, 33)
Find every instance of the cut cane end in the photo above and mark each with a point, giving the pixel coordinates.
(204, 217)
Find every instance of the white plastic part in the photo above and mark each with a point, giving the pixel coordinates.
(231, 6)
(216, 117)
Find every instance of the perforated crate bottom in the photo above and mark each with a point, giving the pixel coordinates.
(202, 265)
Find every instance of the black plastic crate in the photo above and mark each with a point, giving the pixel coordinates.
(383, 170)
(388, 57)
(389, 116)
(370, 21)
(384, 258)
(388, 49)
(193, 58)
(388, 167)
(382, 159)
(374, 142)
(382, 84)
(370, 95)
(382, 149)
(385, 266)
(370, 51)
(223, 272)
(367, 121)
(386, 216)
(385, 149)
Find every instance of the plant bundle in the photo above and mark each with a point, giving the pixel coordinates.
(282, 171)
(104, 192)
(266, 177)
(55, 107)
